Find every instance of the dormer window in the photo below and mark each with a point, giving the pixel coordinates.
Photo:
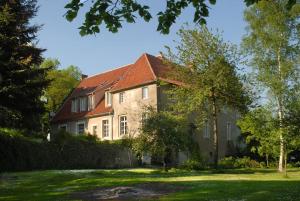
(91, 102)
(108, 99)
(83, 104)
(74, 105)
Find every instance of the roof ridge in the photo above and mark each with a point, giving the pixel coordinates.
(109, 70)
(149, 64)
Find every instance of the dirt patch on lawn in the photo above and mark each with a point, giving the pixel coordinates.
(121, 193)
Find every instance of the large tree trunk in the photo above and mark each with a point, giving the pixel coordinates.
(280, 116)
(215, 131)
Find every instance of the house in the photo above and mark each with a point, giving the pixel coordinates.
(110, 105)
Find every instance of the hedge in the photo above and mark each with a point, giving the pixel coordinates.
(18, 153)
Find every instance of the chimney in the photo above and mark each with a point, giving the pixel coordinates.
(83, 76)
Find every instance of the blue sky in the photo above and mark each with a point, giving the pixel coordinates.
(97, 53)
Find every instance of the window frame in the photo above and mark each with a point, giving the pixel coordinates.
(125, 126)
(90, 102)
(108, 99)
(147, 96)
(83, 104)
(103, 126)
(121, 97)
(63, 125)
(206, 130)
(77, 129)
(94, 125)
(228, 131)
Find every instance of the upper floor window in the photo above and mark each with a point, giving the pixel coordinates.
(108, 98)
(145, 93)
(123, 125)
(206, 133)
(91, 102)
(74, 105)
(121, 97)
(105, 128)
(63, 127)
(83, 104)
(228, 131)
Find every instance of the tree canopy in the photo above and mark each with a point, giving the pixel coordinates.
(22, 80)
(113, 13)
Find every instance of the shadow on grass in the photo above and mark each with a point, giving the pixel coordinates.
(201, 185)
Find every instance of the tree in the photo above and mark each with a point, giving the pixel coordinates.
(272, 42)
(207, 67)
(259, 125)
(23, 81)
(114, 12)
(63, 81)
(161, 135)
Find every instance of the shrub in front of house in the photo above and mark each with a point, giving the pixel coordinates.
(19, 153)
(244, 162)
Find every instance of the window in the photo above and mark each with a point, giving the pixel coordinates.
(121, 97)
(94, 130)
(108, 98)
(105, 128)
(145, 116)
(74, 105)
(123, 125)
(228, 131)
(145, 92)
(80, 128)
(90, 102)
(206, 133)
(63, 127)
(83, 104)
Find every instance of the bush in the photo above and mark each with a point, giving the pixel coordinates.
(227, 163)
(192, 164)
(231, 162)
(19, 153)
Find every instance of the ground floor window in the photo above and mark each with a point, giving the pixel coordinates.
(94, 130)
(228, 131)
(80, 128)
(63, 127)
(105, 128)
(123, 125)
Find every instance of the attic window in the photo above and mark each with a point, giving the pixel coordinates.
(83, 104)
(108, 98)
(91, 102)
(74, 105)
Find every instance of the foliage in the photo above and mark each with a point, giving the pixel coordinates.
(192, 164)
(19, 153)
(272, 43)
(231, 162)
(161, 134)
(22, 80)
(113, 12)
(207, 67)
(62, 83)
(260, 126)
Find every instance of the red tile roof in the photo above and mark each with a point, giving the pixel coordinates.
(147, 69)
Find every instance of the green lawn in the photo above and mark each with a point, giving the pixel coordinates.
(233, 185)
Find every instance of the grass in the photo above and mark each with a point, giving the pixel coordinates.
(233, 185)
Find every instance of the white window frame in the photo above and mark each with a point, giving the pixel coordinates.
(121, 133)
(102, 128)
(91, 102)
(63, 125)
(146, 95)
(77, 130)
(83, 104)
(108, 99)
(206, 130)
(73, 106)
(94, 125)
(228, 131)
(121, 97)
